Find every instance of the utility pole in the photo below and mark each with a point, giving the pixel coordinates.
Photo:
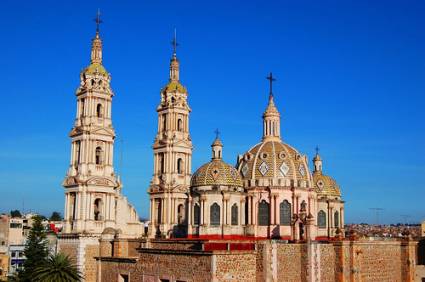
(377, 211)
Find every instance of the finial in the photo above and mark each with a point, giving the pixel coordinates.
(98, 20)
(174, 43)
(317, 150)
(217, 134)
(270, 78)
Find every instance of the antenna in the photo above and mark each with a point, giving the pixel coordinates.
(377, 211)
(405, 218)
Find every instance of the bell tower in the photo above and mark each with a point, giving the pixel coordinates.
(169, 188)
(93, 197)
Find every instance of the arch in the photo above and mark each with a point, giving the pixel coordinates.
(99, 110)
(196, 215)
(285, 213)
(98, 209)
(263, 213)
(161, 162)
(235, 214)
(181, 214)
(321, 219)
(336, 219)
(180, 124)
(98, 155)
(78, 152)
(179, 166)
(164, 122)
(215, 214)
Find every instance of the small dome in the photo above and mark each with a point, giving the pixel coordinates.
(273, 159)
(95, 68)
(325, 185)
(174, 86)
(216, 172)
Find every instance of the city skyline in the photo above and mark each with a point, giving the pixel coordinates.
(335, 98)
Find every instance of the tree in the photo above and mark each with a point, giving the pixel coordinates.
(36, 251)
(15, 213)
(56, 216)
(57, 268)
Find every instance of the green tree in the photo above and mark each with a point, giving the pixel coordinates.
(57, 268)
(36, 251)
(56, 216)
(15, 213)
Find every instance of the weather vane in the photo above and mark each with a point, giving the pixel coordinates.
(217, 134)
(98, 20)
(174, 42)
(270, 78)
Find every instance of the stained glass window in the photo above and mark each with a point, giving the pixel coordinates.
(215, 214)
(285, 213)
(235, 214)
(321, 219)
(263, 213)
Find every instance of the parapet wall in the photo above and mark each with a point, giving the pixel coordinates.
(269, 260)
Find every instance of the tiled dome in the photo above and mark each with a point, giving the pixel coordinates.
(216, 172)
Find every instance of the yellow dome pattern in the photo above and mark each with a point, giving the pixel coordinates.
(273, 159)
(216, 172)
(325, 185)
(95, 68)
(174, 86)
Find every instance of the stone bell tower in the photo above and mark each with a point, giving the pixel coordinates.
(93, 199)
(169, 188)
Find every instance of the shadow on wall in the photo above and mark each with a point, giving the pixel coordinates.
(421, 251)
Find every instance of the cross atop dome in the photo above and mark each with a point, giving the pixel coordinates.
(270, 78)
(174, 43)
(98, 20)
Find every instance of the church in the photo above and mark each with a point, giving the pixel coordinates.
(268, 217)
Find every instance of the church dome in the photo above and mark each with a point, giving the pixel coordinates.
(216, 172)
(325, 185)
(274, 159)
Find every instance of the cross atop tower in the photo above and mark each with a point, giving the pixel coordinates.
(98, 20)
(174, 42)
(317, 150)
(217, 133)
(270, 78)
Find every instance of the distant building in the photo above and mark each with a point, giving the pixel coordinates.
(17, 258)
(423, 229)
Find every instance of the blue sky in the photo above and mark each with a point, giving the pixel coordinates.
(350, 78)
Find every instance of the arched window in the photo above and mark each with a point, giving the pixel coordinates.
(180, 214)
(179, 166)
(196, 215)
(99, 110)
(321, 219)
(78, 153)
(164, 122)
(82, 107)
(158, 205)
(263, 213)
(97, 209)
(336, 219)
(215, 214)
(235, 214)
(98, 155)
(161, 163)
(180, 124)
(285, 213)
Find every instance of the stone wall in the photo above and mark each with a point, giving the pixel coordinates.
(235, 266)
(272, 260)
(291, 262)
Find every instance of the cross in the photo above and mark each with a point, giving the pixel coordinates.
(217, 133)
(270, 78)
(174, 42)
(317, 150)
(98, 20)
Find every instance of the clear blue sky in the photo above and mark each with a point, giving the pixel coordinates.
(351, 79)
